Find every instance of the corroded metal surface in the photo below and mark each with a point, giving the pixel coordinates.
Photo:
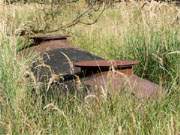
(106, 63)
(42, 44)
(57, 56)
(60, 58)
(90, 67)
(116, 81)
(46, 46)
(39, 39)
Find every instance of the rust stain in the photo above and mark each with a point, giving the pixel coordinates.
(116, 81)
(42, 44)
(42, 38)
(106, 63)
(92, 67)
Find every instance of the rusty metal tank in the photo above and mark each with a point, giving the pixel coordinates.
(64, 65)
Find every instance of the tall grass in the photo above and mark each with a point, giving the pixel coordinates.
(134, 33)
(124, 32)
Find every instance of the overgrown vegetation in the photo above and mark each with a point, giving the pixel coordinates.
(145, 32)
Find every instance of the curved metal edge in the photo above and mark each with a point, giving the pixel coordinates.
(116, 81)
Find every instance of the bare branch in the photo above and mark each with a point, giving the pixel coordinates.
(96, 19)
(51, 13)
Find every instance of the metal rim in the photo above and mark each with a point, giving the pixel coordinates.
(105, 63)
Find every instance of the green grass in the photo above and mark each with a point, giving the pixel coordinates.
(126, 32)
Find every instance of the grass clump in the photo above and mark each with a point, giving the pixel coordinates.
(135, 34)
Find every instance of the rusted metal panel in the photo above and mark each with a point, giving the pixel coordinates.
(61, 60)
(43, 38)
(116, 81)
(106, 63)
(45, 46)
(58, 56)
(42, 44)
(121, 78)
(90, 67)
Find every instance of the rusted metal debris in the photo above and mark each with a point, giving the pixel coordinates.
(39, 39)
(61, 61)
(118, 80)
(71, 63)
(121, 78)
(41, 44)
(58, 56)
(104, 65)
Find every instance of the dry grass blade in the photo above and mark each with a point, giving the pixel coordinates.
(69, 62)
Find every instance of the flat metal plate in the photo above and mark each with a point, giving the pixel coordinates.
(105, 63)
(60, 61)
